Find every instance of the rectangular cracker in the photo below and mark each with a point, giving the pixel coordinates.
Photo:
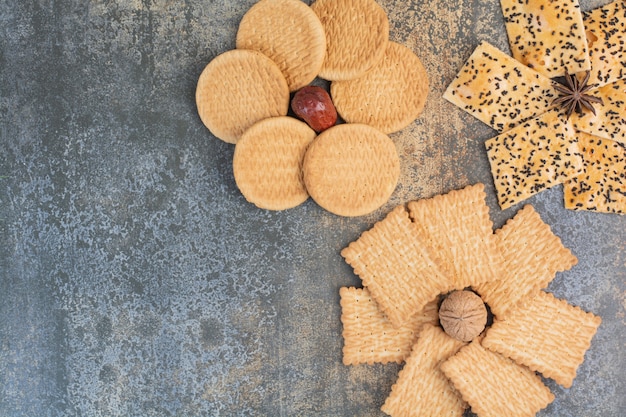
(495, 386)
(535, 156)
(602, 187)
(606, 37)
(532, 257)
(422, 389)
(547, 36)
(499, 90)
(546, 334)
(398, 268)
(609, 120)
(368, 335)
(457, 225)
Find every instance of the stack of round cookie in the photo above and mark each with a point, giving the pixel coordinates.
(378, 87)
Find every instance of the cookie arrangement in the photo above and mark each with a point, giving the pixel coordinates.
(557, 104)
(429, 271)
(463, 307)
(378, 86)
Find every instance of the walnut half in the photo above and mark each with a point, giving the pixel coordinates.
(463, 315)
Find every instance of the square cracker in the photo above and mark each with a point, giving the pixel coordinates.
(370, 337)
(546, 334)
(535, 156)
(499, 90)
(532, 257)
(602, 187)
(495, 386)
(609, 120)
(422, 389)
(547, 36)
(397, 266)
(457, 225)
(606, 35)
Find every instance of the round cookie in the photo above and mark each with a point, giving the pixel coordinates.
(288, 32)
(390, 96)
(351, 169)
(357, 33)
(267, 163)
(237, 89)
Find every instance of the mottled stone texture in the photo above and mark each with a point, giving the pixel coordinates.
(135, 280)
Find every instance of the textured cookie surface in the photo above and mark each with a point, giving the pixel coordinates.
(267, 163)
(422, 389)
(547, 36)
(390, 96)
(495, 386)
(370, 337)
(602, 187)
(398, 268)
(532, 157)
(458, 228)
(237, 89)
(288, 32)
(532, 257)
(498, 90)
(546, 334)
(357, 33)
(351, 169)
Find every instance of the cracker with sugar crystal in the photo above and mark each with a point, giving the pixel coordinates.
(351, 169)
(237, 89)
(533, 157)
(267, 163)
(289, 33)
(388, 97)
(602, 187)
(546, 334)
(421, 388)
(357, 33)
(606, 36)
(495, 386)
(369, 337)
(532, 257)
(458, 227)
(499, 90)
(547, 36)
(609, 120)
(397, 266)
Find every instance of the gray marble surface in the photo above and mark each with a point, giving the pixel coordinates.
(135, 280)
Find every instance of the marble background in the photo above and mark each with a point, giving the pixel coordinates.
(135, 280)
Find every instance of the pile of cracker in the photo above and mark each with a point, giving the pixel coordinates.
(418, 253)
(378, 87)
(538, 146)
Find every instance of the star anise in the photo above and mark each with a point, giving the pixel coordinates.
(574, 95)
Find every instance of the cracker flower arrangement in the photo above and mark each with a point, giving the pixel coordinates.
(378, 87)
(559, 104)
(429, 270)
